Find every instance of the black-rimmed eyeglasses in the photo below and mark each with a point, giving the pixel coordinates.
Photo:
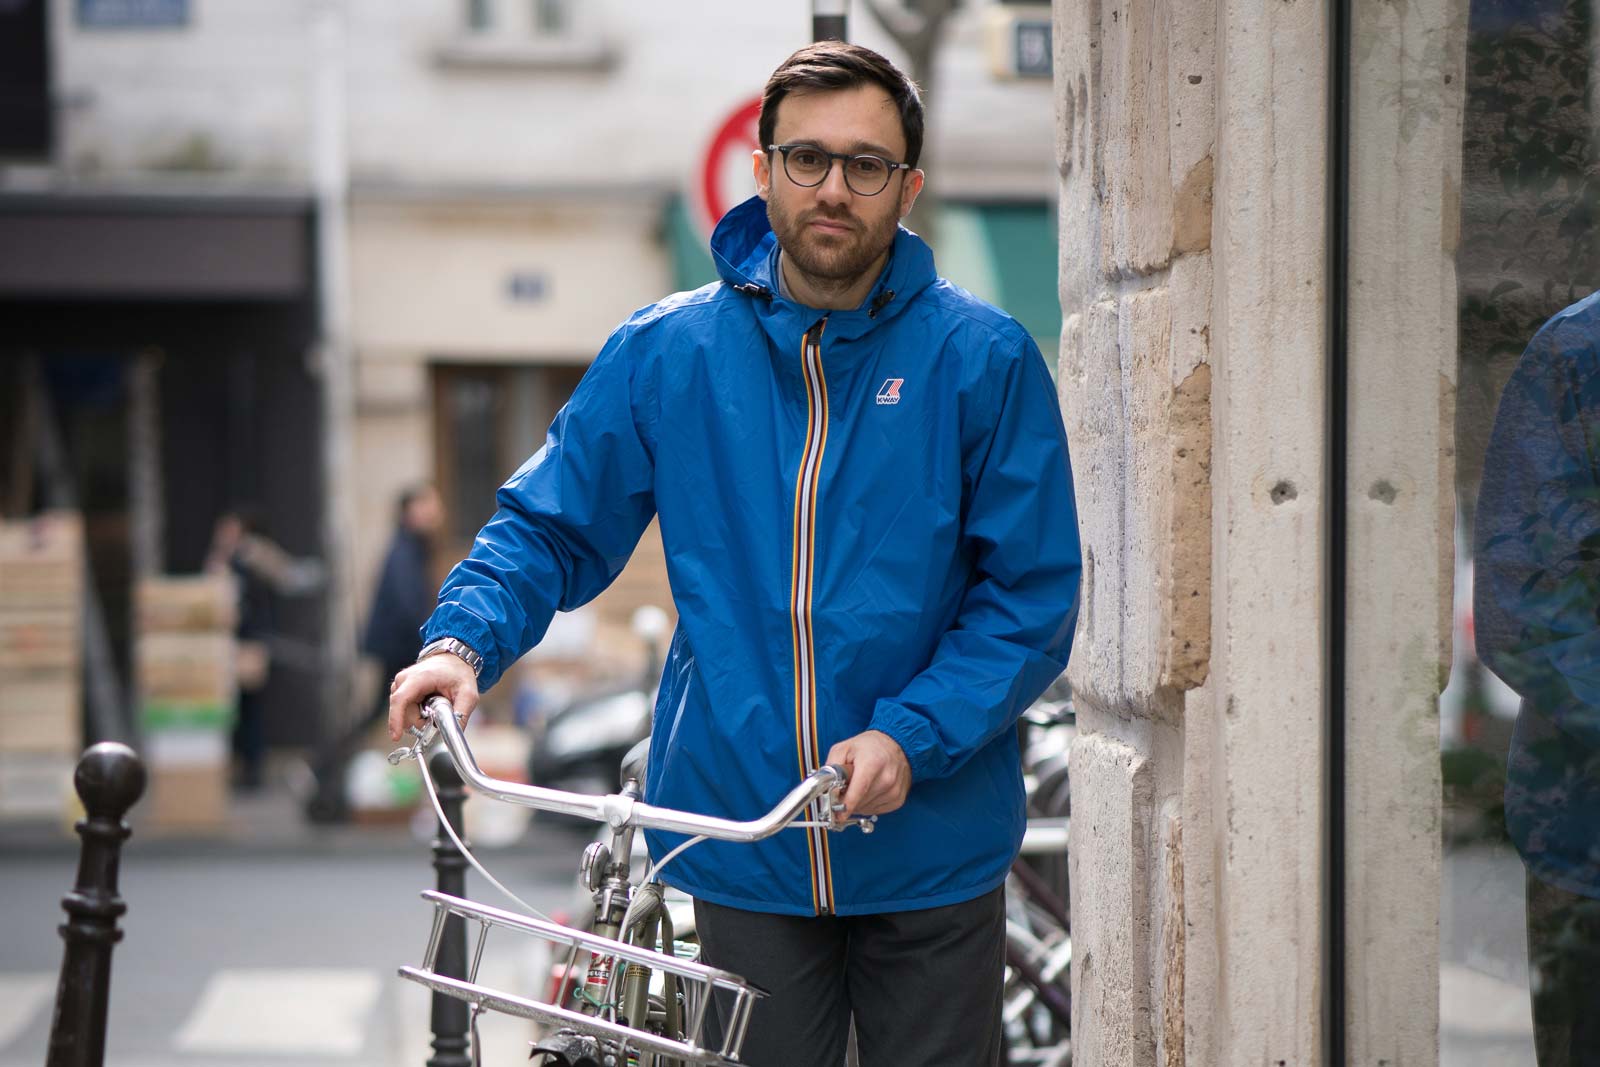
(808, 166)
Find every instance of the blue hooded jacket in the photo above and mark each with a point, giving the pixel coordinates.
(869, 523)
(1536, 594)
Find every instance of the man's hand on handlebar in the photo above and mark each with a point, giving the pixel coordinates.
(880, 777)
(446, 675)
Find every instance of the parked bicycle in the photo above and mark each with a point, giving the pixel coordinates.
(643, 997)
(1037, 999)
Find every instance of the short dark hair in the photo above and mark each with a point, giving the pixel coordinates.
(837, 65)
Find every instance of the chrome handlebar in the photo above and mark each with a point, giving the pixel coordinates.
(618, 810)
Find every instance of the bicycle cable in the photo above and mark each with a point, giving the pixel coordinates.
(649, 876)
(655, 868)
(627, 915)
(433, 796)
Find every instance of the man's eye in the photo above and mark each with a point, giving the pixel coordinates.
(808, 158)
(868, 165)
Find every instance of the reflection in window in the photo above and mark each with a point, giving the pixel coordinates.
(1521, 923)
(551, 17)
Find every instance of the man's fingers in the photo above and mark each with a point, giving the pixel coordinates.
(438, 674)
(876, 766)
(866, 782)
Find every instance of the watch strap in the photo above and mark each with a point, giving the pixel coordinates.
(455, 647)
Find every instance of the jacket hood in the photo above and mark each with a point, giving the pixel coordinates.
(746, 253)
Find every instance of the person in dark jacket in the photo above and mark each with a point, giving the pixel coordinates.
(864, 494)
(401, 603)
(1536, 608)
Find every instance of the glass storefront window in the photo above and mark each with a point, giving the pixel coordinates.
(1520, 881)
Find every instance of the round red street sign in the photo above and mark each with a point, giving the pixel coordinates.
(721, 186)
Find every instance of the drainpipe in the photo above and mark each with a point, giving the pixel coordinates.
(829, 19)
(331, 357)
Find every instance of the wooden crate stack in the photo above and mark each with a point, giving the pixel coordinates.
(187, 696)
(41, 706)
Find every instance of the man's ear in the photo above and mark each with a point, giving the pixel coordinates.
(762, 168)
(909, 191)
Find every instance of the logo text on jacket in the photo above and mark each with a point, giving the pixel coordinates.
(890, 393)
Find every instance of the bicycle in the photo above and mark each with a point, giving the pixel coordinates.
(644, 996)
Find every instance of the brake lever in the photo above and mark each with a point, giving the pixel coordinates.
(866, 823)
(424, 735)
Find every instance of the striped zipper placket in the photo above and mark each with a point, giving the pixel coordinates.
(805, 533)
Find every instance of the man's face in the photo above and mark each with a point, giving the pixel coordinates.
(828, 230)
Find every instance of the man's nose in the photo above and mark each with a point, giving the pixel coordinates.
(834, 189)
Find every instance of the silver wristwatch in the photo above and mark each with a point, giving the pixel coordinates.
(460, 649)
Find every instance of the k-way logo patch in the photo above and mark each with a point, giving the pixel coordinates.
(890, 393)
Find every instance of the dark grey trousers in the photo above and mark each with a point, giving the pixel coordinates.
(923, 986)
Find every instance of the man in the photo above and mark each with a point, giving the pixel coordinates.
(1536, 605)
(401, 603)
(864, 493)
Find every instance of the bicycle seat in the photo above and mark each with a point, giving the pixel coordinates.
(634, 763)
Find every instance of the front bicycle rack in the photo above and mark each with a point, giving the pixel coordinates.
(697, 981)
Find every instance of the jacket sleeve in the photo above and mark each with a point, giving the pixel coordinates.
(1013, 632)
(1536, 580)
(566, 523)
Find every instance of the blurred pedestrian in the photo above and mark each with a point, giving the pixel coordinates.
(401, 603)
(1536, 604)
(262, 571)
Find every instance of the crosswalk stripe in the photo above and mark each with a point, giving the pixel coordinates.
(306, 1011)
(22, 996)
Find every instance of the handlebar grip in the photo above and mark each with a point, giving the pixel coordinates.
(841, 771)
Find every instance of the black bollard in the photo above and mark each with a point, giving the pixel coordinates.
(450, 1019)
(110, 777)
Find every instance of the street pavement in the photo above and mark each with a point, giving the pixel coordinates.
(272, 947)
(1484, 1015)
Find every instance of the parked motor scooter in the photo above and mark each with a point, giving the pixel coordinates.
(579, 746)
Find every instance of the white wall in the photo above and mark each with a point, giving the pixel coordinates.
(231, 94)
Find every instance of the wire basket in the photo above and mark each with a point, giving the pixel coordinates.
(697, 981)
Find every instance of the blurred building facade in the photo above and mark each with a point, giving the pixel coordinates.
(354, 245)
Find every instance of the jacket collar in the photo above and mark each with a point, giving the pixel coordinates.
(746, 253)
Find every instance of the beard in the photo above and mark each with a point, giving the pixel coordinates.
(835, 258)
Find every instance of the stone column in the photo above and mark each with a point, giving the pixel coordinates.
(1192, 149)
(1408, 78)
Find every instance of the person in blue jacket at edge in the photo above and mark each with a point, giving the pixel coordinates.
(1536, 609)
(862, 482)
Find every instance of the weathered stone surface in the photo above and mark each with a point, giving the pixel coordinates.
(1191, 91)
(1172, 939)
(1147, 487)
(1405, 173)
(1136, 229)
(1111, 921)
(1077, 82)
(1186, 589)
(1147, 524)
(1270, 311)
(1190, 286)
(1191, 210)
(1091, 384)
